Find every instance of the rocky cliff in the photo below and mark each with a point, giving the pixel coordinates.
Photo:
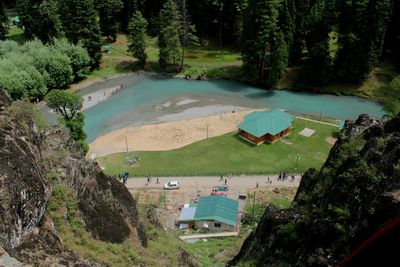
(34, 161)
(352, 197)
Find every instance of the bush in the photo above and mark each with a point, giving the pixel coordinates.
(33, 68)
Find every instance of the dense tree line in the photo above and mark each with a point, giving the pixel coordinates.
(361, 25)
(30, 70)
(271, 34)
(3, 22)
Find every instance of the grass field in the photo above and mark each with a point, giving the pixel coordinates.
(230, 154)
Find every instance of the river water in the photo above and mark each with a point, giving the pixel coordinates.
(151, 99)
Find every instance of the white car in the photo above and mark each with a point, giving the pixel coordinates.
(171, 185)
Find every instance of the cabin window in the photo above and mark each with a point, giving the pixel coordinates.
(217, 225)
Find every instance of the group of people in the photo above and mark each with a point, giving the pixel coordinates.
(124, 176)
(222, 178)
(284, 176)
(149, 180)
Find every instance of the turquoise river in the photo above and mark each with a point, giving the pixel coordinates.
(151, 99)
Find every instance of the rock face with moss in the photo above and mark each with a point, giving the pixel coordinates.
(354, 194)
(33, 162)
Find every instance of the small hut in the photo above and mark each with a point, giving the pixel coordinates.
(267, 126)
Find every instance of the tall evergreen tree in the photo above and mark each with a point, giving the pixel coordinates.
(108, 11)
(129, 8)
(3, 22)
(279, 60)
(81, 25)
(317, 69)
(302, 8)
(187, 32)
(170, 32)
(137, 37)
(40, 19)
(286, 19)
(361, 38)
(260, 26)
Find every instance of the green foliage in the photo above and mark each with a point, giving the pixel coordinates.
(3, 22)
(169, 38)
(287, 232)
(260, 24)
(52, 64)
(362, 32)
(20, 79)
(75, 125)
(33, 68)
(81, 25)
(129, 8)
(392, 107)
(188, 30)
(108, 12)
(8, 47)
(68, 104)
(27, 115)
(137, 37)
(317, 69)
(64, 103)
(78, 56)
(279, 60)
(40, 19)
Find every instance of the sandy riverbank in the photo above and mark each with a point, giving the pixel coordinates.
(166, 136)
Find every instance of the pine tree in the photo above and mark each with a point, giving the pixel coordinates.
(40, 19)
(80, 25)
(362, 33)
(108, 11)
(260, 26)
(170, 32)
(317, 70)
(187, 33)
(287, 22)
(3, 22)
(279, 60)
(129, 8)
(137, 37)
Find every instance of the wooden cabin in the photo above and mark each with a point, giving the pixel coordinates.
(266, 126)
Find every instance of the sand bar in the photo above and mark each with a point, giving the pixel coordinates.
(166, 136)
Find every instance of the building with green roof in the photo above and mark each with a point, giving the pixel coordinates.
(261, 126)
(217, 213)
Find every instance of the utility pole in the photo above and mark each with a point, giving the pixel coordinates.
(207, 131)
(297, 159)
(254, 202)
(126, 143)
(320, 116)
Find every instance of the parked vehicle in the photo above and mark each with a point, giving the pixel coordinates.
(215, 191)
(223, 188)
(171, 185)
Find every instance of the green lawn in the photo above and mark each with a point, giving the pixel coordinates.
(216, 251)
(229, 154)
(16, 34)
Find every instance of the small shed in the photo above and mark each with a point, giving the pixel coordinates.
(217, 213)
(186, 217)
(266, 126)
(15, 21)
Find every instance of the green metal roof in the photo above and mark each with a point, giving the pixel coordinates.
(272, 122)
(217, 208)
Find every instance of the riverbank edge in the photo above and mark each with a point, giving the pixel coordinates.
(76, 87)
